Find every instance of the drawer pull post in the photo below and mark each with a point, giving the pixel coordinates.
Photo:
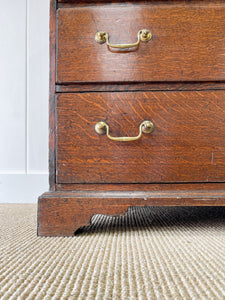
(144, 35)
(103, 128)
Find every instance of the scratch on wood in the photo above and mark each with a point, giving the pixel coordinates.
(212, 157)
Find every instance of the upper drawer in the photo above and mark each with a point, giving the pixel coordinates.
(187, 44)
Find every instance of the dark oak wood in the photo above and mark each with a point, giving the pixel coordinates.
(141, 86)
(52, 75)
(140, 187)
(63, 213)
(187, 145)
(72, 3)
(177, 80)
(156, 2)
(188, 43)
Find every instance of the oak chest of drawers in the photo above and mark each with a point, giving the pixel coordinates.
(137, 109)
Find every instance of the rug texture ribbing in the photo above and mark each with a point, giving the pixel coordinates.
(150, 253)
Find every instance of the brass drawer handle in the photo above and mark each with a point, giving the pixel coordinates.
(103, 128)
(144, 35)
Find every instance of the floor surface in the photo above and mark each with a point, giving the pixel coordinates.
(151, 253)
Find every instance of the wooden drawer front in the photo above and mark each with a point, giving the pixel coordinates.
(187, 43)
(187, 145)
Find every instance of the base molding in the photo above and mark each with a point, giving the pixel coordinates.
(63, 213)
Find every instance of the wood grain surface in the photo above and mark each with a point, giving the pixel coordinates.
(52, 112)
(139, 86)
(188, 43)
(142, 187)
(71, 3)
(63, 213)
(187, 145)
(176, 80)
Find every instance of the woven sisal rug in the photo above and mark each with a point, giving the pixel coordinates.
(151, 253)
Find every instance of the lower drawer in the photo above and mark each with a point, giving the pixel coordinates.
(187, 144)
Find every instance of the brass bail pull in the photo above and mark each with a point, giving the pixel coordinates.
(102, 37)
(103, 128)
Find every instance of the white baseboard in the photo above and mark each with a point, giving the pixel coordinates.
(22, 188)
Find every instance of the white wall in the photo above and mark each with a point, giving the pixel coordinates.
(24, 66)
